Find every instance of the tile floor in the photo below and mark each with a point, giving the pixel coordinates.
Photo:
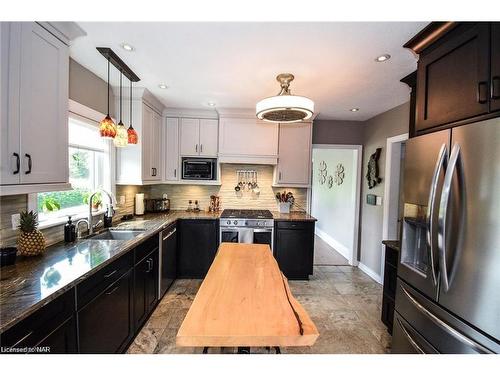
(342, 301)
(326, 255)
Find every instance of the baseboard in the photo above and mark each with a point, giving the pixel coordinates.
(375, 276)
(343, 250)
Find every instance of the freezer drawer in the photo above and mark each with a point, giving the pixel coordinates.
(442, 330)
(406, 340)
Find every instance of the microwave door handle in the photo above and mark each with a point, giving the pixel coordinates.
(443, 214)
(440, 164)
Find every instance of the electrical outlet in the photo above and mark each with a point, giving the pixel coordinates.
(122, 200)
(16, 220)
(379, 201)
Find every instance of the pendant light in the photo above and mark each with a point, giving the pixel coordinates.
(107, 127)
(131, 133)
(285, 107)
(121, 138)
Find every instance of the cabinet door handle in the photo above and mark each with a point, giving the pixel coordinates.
(279, 176)
(201, 148)
(29, 163)
(196, 148)
(112, 291)
(482, 92)
(150, 265)
(153, 172)
(495, 87)
(18, 162)
(175, 172)
(110, 274)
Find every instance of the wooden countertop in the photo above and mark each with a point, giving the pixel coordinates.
(245, 301)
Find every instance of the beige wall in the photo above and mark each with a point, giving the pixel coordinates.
(88, 89)
(377, 130)
(338, 132)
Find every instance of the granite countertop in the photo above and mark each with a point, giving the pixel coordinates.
(393, 244)
(25, 286)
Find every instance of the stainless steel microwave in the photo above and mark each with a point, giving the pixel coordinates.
(199, 169)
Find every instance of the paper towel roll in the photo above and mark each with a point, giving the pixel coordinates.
(139, 204)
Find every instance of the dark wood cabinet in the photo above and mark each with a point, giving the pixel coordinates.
(495, 67)
(294, 248)
(51, 329)
(168, 258)
(453, 77)
(145, 287)
(390, 279)
(106, 323)
(198, 241)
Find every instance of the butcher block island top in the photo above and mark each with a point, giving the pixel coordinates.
(245, 301)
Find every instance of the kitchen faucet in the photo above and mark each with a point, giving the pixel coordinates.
(109, 211)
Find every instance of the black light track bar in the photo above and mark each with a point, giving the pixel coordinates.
(114, 59)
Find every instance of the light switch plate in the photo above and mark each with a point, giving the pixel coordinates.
(379, 200)
(16, 220)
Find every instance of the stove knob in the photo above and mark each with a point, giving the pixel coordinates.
(235, 222)
(228, 222)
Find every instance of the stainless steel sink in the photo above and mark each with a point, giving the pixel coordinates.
(114, 234)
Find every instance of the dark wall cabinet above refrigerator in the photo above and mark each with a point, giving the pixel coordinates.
(458, 76)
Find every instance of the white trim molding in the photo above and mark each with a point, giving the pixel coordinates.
(343, 250)
(375, 276)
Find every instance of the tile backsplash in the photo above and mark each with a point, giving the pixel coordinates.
(179, 196)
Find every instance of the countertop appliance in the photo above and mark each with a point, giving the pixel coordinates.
(168, 259)
(157, 205)
(447, 297)
(247, 226)
(199, 169)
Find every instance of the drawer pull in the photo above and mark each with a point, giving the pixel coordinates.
(110, 274)
(410, 338)
(169, 234)
(112, 291)
(22, 339)
(482, 92)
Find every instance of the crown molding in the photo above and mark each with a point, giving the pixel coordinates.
(65, 31)
(190, 112)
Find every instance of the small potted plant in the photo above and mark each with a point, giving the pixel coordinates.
(30, 241)
(96, 200)
(285, 200)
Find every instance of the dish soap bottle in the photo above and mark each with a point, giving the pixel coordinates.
(69, 231)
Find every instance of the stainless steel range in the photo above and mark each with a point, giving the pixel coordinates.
(247, 226)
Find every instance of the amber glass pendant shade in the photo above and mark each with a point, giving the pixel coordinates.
(132, 136)
(107, 127)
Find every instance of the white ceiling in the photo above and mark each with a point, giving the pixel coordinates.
(235, 64)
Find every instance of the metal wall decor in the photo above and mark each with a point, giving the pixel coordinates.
(372, 173)
(322, 172)
(330, 181)
(339, 174)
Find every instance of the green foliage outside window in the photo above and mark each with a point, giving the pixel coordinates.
(64, 199)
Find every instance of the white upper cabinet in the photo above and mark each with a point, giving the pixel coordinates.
(294, 155)
(34, 104)
(142, 164)
(171, 149)
(247, 140)
(199, 137)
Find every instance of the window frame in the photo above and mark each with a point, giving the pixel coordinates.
(92, 117)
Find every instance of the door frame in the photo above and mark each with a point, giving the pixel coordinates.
(357, 164)
(390, 187)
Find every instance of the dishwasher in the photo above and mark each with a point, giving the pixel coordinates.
(168, 259)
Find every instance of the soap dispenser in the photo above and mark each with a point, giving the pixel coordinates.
(69, 231)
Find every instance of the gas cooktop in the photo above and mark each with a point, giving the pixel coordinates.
(246, 214)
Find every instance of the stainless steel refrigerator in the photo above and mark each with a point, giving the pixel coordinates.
(448, 289)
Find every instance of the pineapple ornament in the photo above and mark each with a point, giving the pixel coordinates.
(30, 241)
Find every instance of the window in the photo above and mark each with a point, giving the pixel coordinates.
(89, 169)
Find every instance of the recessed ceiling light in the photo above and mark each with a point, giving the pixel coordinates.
(383, 58)
(211, 104)
(127, 47)
(162, 86)
(354, 109)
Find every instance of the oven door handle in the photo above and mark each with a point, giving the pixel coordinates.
(262, 230)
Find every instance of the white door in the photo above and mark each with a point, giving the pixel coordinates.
(190, 137)
(10, 157)
(172, 149)
(147, 140)
(43, 106)
(294, 158)
(155, 147)
(209, 137)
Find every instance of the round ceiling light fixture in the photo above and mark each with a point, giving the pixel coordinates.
(163, 86)
(383, 58)
(127, 47)
(285, 107)
(354, 109)
(211, 104)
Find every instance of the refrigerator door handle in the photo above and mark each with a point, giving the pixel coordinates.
(440, 165)
(411, 340)
(452, 331)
